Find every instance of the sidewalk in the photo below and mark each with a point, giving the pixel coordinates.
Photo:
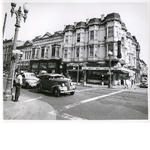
(36, 109)
(27, 109)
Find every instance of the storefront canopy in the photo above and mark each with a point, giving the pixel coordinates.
(119, 69)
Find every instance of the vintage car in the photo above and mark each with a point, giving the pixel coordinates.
(56, 84)
(29, 80)
(144, 85)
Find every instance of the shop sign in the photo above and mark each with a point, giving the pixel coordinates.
(95, 68)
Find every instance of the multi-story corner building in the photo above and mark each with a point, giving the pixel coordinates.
(87, 44)
(43, 53)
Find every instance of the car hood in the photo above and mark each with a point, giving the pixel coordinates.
(62, 80)
(32, 78)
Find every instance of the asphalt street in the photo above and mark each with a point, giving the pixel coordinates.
(97, 103)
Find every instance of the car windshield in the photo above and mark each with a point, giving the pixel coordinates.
(58, 77)
(30, 75)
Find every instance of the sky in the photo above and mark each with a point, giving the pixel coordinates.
(52, 16)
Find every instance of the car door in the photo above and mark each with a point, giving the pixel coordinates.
(48, 83)
(43, 82)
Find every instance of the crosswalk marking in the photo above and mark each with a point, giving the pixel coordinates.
(70, 117)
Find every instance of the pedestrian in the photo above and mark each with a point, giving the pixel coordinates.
(127, 83)
(133, 84)
(18, 86)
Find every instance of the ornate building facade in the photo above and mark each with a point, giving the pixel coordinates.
(42, 53)
(87, 44)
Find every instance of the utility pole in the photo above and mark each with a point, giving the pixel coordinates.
(4, 24)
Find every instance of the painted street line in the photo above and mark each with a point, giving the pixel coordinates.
(32, 99)
(98, 97)
(87, 100)
(70, 117)
(66, 116)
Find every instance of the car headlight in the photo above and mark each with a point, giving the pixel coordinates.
(62, 84)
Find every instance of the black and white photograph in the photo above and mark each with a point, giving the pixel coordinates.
(75, 61)
(88, 61)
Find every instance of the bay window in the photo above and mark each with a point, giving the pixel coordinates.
(78, 37)
(92, 35)
(91, 50)
(110, 32)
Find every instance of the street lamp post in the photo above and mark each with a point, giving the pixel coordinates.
(14, 57)
(109, 55)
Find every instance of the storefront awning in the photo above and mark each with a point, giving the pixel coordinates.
(120, 69)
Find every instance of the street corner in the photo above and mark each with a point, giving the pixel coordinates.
(36, 109)
(12, 109)
(40, 110)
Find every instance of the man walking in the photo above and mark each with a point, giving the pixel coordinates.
(18, 86)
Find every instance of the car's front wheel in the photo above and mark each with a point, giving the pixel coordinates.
(56, 92)
(27, 86)
(72, 93)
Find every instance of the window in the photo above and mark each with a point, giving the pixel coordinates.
(110, 47)
(91, 35)
(42, 52)
(77, 52)
(66, 39)
(78, 37)
(96, 34)
(37, 53)
(33, 53)
(110, 32)
(91, 50)
(46, 53)
(65, 55)
(53, 51)
(57, 51)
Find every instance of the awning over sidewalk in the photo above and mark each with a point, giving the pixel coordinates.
(119, 69)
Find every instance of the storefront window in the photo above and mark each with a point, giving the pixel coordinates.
(52, 65)
(35, 65)
(43, 65)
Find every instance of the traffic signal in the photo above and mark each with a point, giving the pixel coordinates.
(119, 50)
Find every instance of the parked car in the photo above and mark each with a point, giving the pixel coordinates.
(144, 85)
(29, 80)
(56, 84)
